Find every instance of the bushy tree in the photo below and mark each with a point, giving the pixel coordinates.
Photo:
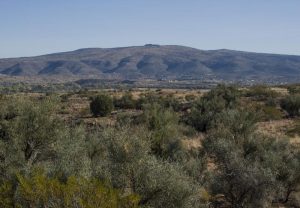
(288, 174)
(124, 157)
(30, 133)
(204, 112)
(247, 163)
(101, 105)
(164, 127)
(74, 144)
(210, 105)
(229, 93)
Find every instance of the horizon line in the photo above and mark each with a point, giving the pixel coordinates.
(149, 44)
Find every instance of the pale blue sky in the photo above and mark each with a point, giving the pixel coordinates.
(33, 27)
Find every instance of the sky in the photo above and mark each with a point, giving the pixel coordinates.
(35, 27)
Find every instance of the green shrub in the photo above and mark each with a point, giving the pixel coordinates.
(167, 102)
(206, 108)
(294, 89)
(171, 102)
(29, 133)
(251, 169)
(102, 105)
(204, 112)
(148, 98)
(125, 102)
(6, 194)
(229, 93)
(32, 136)
(123, 156)
(271, 113)
(39, 190)
(291, 104)
(271, 102)
(163, 125)
(261, 93)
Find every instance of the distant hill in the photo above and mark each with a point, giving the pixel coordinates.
(156, 62)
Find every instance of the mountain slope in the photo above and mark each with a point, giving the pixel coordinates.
(155, 62)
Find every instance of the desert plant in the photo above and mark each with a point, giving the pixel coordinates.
(261, 93)
(123, 156)
(206, 108)
(293, 89)
(125, 102)
(247, 163)
(29, 134)
(101, 105)
(271, 113)
(163, 124)
(291, 104)
(204, 111)
(229, 93)
(38, 190)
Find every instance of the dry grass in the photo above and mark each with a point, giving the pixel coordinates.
(281, 90)
(194, 142)
(277, 128)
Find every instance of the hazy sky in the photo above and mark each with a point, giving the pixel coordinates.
(33, 27)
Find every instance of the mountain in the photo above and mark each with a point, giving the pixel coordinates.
(156, 62)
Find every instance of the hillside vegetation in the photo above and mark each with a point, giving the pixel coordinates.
(226, 147)
(157, 62)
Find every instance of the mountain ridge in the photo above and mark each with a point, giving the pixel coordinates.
(155, 62)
